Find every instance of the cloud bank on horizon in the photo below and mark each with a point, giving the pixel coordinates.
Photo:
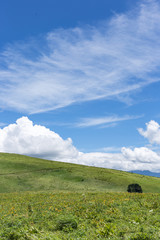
(82, 64)
(24, 137)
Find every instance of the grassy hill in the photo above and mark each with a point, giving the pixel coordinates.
(22, 173)
(58, 200)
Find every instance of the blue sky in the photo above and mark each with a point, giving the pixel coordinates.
(89, 72)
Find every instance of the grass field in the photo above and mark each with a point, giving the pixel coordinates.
(47, 200)
(22, 173)
(70, 216)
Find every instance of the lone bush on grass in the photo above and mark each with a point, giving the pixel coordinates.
(134, 188)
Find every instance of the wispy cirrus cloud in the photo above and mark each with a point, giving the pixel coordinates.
(85, 63)
(104, 121)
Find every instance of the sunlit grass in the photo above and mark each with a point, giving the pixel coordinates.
(50, 200)
(97, 215)
(22, 173)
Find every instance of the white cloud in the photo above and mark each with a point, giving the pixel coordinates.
(128, 160)
(24, 137)
(141, 159)
(99, 159)
(82, 64)
(141, 154)
(104, 121)
(152, 132)
(34, 140)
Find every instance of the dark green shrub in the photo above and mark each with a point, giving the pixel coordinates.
(134, 188)
(66, 224)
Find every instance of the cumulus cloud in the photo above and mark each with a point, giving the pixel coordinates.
(34, 140)
(142, 159)
(152, 132)
(24, 137)
(128, 160)
(84, 63)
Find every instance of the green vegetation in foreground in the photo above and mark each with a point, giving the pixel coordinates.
(22, 173)
(74, 202)
(70, 216)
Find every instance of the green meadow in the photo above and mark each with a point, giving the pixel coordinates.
(22, 173)
(42, 199)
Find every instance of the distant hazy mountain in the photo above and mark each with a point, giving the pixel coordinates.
(147, 173)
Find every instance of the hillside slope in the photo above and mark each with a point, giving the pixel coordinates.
(22, 173)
